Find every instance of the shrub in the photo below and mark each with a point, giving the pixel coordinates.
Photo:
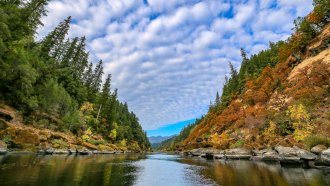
(314, 140)
(97, 142)
(238, 143)
(7, 139)
(58, 143)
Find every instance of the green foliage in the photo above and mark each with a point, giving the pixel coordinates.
(7, 139)
(238, 144)
(172, 142)
(50, 81)
(58, 143)
(314, 140)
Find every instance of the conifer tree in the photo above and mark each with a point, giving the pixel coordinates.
(51, 45)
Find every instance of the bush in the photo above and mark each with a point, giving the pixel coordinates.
(312, 141)
(58, 143)
(238, 144)
(97, 142)
(7, 139)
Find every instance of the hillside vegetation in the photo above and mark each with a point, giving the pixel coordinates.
(51, 84)
(279, 96)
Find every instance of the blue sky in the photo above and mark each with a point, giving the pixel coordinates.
(168, 58)
(170, 129)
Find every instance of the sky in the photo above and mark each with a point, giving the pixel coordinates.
(168, 58)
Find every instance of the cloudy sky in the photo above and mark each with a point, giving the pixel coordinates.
(168, 58)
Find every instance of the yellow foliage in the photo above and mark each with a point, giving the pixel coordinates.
(300, 121)
(123, 143)
(86, 108)
(113, 134)
(270, 132)
(87, 135)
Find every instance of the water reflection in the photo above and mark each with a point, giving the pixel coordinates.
(245, 173)
(152, 169)
(68, 170)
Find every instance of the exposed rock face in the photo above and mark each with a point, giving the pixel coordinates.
(318, 149)
(3, 147)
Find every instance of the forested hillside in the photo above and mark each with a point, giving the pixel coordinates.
(175, 141)
(53, 85)
(278, 96)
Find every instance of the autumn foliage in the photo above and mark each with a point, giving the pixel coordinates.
(273, 99)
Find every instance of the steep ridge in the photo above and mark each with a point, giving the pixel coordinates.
(287, 103)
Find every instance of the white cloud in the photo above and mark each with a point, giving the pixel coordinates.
(169, 57)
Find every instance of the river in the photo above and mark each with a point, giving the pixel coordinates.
(149, 169)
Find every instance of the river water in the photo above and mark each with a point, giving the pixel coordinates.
(149, 169)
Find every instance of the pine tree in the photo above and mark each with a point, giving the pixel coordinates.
(51, 44)
(69, 53)
(97, 77)
(32, 13)
(217, 100)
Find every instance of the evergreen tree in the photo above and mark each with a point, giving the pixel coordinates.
(51, 44)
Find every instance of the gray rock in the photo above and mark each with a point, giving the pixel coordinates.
(238, 153)
(60, 151)
(49, 151)
(304, 154)
(196, 152)
(325, 157)
(286, 151)
(220, 155)
(84, 152)
(287, 155)
(72, 151)
(270, 155)
(259, 152)
(318, 149)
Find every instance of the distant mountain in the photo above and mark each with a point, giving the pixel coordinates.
(158, 139)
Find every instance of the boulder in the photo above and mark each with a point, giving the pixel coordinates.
(3, 148)
(325, 157)
(238, 153)
(60, 151)
(304, 154)
(196, 152)
(287, 155)
(72, 151)
(83, 151)
(318, 149)
(270, 155)
(49, 151)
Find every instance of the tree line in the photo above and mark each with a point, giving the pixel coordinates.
(53, 83)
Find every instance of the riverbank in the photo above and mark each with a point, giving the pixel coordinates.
(318, 157)
(17, 137)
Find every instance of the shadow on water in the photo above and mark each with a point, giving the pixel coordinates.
(152, 169)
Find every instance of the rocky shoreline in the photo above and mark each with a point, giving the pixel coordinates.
(318, 157)
(52, 151)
